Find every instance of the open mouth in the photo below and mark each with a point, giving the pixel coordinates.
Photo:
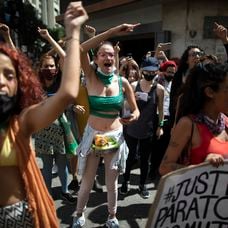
(107, 64)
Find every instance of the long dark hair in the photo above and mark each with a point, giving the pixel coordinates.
(201, 77)
(177, 84)
(183, 65)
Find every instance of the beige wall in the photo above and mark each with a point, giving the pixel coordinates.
(182, 16)
(145, 12)
(177, 16)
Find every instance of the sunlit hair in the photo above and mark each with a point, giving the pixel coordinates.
(96, 50)
(29, 90)
(209, 59)
(43, 58)
(126, 68)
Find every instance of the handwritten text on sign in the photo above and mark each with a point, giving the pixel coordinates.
(194, 198)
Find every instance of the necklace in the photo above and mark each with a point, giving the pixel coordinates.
(216, 127)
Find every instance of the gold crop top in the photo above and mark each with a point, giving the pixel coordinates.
(8, 154)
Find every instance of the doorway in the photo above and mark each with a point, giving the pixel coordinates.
(137, 48)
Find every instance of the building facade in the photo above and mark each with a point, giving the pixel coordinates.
(181, 22)
(47, 10)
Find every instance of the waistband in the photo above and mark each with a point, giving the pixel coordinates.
(104, 115)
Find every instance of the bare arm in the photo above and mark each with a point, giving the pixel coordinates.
(160, 50)
(179, 138)
(161, 55)
(117, 59)
(52, 107)
(221, 32)
(131, 102)
(160, 94)
(58, 49)
(90, 31)
(61, 42)
(5, 32)
(96, 40)
(122, 68)
(118, 30)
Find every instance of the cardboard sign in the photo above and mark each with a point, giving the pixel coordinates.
(193, 197)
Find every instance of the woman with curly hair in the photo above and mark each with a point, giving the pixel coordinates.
(203, 124)
(189, 59)
(24, 199)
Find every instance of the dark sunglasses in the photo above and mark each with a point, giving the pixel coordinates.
(195, 53)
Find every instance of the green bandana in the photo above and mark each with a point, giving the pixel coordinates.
(105, 78)
(69, 139)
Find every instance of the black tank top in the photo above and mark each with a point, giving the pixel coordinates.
(144, 126)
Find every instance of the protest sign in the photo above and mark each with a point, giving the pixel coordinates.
(193, 197)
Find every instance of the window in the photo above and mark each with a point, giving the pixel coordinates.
(209, 24)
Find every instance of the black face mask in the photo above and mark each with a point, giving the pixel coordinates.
(168, 78)
(48, 74)
(7, 107)
(149, 77)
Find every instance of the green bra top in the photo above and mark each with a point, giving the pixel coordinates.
(100, 105)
